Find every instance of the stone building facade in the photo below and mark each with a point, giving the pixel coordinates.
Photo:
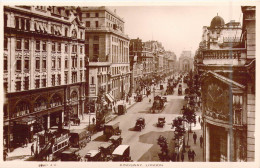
(226, 65)
(185, 61)
(107, 47)
(44, 69)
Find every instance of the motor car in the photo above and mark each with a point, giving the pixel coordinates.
(121, 153)
(93, 156)
(111, 129)
(161, 122)
(140, 124)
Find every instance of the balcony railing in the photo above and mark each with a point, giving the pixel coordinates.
(223, 54)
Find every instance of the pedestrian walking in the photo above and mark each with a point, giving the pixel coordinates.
(26, 142)
(32, 149)
(194, 137)
(193, 154)
(182, 156)
(189, 154)
(201, 125)
(174, 157)
(150, 100)
(5, 155)
(93, 120)
(201, 141)
(199, 119)
(195, 123)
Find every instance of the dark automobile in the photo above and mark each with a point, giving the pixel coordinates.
(161, 122)
(70, 155)
(140, 124)
(121, 109)
(138, 98)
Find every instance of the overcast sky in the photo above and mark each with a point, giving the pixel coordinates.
(177, 27)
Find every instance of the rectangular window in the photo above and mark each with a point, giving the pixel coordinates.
(96, 38)
(74, 48)
(19, 44)
(53, 80)
(87, 15)
(18, 86)
(5, 87)
(81, 50)
(87, 23)
(18, 65)
(81, 63)
(96, 14)
(59, 63)
(37, 83)
(5, 43)
(96, 23)
(44, 64)
(43, 82)
(44, 45)
(53, 46)
(5, 20)
(27, 25)
(66, 63)
(59, 47)
(66, 48)
(5, 65)
(26, 44)
(22, 24)
(66, 32)
(87, 50)
(37, 64)
(96, 49)
(59, 79)
(17, 23)
(38, 45)
(26, 65)
(53, 63)
(26, 83)
(92, 80)
(66, 78)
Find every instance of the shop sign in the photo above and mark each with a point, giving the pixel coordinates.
(92, 90)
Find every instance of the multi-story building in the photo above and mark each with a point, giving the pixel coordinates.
(171, 67)
(226, 64)
(142, 63)
(107, 47)
(44, 69)
(185, 61)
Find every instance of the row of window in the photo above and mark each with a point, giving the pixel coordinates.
(38, 46)
(44, 64)
(88, 15)
(88, 24)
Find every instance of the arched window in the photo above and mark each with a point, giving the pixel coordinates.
(55, 100)
(40, 104)
(22, 108)
(74, 34)
(74, 96)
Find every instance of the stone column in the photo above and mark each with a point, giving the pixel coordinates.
(207, 143)
(48, 121)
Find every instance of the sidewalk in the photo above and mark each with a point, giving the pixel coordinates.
(196, 147)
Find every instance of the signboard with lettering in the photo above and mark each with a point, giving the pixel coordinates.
(92, 90)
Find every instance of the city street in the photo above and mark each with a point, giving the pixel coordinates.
(143, 145)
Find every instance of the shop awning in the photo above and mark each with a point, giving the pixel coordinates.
(25, 121)
(111, 100)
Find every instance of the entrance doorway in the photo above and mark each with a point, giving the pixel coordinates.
(218, 144)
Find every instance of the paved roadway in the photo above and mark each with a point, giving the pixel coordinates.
(137, 146)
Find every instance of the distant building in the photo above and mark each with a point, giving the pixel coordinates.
(185, 61)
